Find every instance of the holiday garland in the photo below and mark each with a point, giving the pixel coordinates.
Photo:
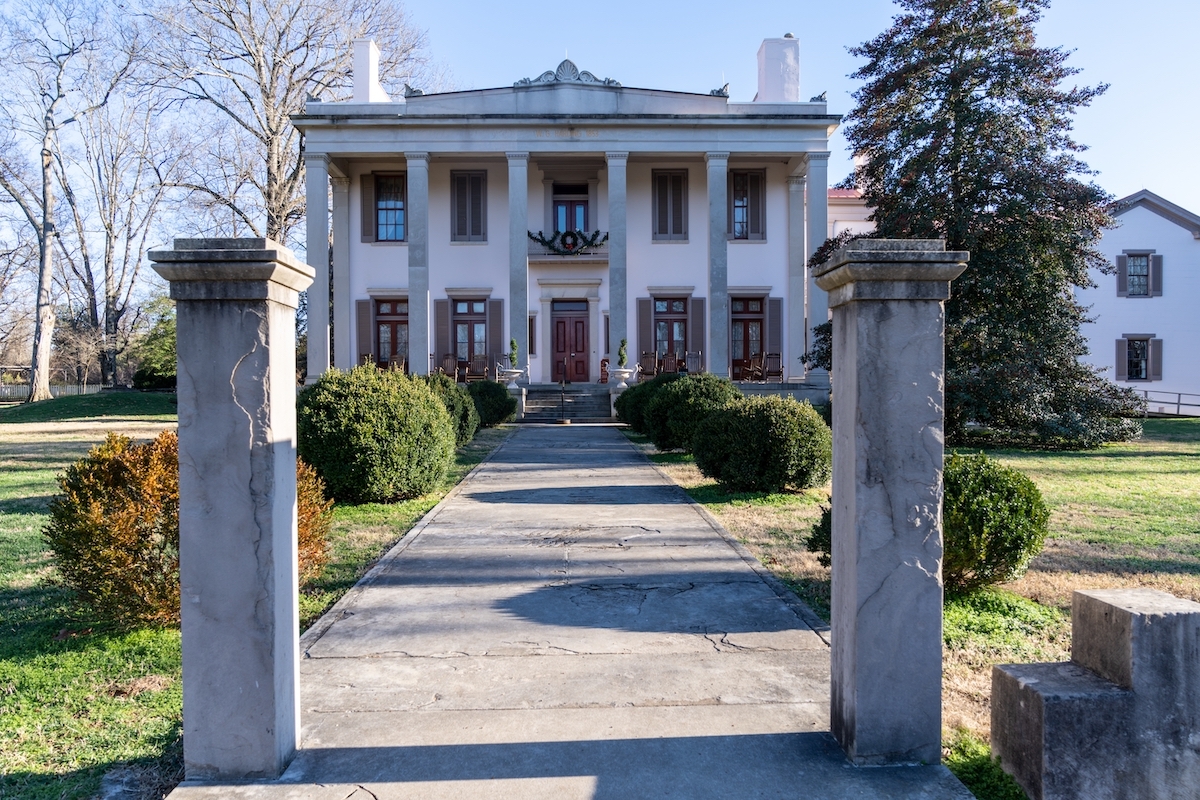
(569, 243)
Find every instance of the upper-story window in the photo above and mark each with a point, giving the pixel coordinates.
(1139, 274)
(670, 205)
(469, 206)
(570, 207)
(747, 203)
(389, 208)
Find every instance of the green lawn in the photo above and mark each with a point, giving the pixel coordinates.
(152, 406)
(79, 697)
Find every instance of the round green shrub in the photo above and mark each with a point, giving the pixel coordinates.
(493, 402)
(459, 405)
(995, 521)
(631, 403)
(374, 435)
(674, 412)
(762, 444)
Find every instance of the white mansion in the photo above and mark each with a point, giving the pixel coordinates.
(568, 212)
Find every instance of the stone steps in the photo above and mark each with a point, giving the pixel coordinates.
(578, 404)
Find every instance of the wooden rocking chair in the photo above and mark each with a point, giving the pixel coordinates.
(647, 366)
(773, 368)
(753, 371)
(450, 366)
(670, 363)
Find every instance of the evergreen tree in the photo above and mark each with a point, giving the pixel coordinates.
(965, 126)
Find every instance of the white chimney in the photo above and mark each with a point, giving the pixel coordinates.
(366, 73)
(779, 70)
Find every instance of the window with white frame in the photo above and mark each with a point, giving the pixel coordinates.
(389, 208)
(1139, 357)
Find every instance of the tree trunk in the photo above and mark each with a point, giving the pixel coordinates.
(43, 330)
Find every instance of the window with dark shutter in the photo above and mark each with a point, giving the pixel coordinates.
(389, 208)
(747, 204)
(469, 200)
(670, 205)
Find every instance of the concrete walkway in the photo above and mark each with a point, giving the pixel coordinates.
(568, 624)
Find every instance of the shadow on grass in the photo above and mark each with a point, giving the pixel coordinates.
(141, 778)
(970, 759)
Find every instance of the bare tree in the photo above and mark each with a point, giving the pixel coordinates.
(253, 63)
(55, 48)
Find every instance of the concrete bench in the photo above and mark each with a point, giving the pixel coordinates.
(1121, 719)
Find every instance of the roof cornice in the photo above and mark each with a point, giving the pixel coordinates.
(1164, 208)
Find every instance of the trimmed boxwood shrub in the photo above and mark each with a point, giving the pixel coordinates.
(763, 444)
(375, 436)
(114, 529)
(995, 522)
(493, 402)
(631, 403)
(674, 412)
(459, 405)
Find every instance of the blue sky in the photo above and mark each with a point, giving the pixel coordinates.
(1141, 133)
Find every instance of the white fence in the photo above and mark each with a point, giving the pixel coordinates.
(21, 391)
(1174, 404)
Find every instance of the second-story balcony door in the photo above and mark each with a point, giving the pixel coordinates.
(570, 215)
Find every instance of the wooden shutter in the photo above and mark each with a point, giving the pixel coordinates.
(495, 332)
(697, 324)
(678, 218)
(366, 342)
(645, 319)
(662, 208)
(460, 207)
(533, 336)
(478, 230)
(441, 325)
(368, 208)
(1156, 348)
(754, 193)
(1122, 276)
(775, 325)
(1122, 359)
(1156, 276)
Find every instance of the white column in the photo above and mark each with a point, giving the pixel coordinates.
(886, 610)
(718, 263)
(817, 207)
(595, 342)
(343, 303)
(618, 248)
(797, 283)
(239, 601)
(518, 253)
(417, 233)
(316, 218)
(546, 330)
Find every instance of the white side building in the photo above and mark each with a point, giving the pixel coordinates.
(1146, 332)
(681, 222)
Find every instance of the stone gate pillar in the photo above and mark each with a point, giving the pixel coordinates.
(888, 299)
(235, 317)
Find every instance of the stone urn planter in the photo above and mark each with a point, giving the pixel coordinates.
(509, 376)
(622, 374)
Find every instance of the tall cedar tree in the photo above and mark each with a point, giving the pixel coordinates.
(966, 132)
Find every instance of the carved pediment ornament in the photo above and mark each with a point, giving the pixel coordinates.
(567, 72)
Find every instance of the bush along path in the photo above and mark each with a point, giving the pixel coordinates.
(1120, 516)
(81, 697)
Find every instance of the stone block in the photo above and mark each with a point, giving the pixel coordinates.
(1122, 719)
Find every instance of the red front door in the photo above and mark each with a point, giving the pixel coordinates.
(570, 348)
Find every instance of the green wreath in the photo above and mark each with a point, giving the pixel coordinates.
(578, 243)
(569, 240)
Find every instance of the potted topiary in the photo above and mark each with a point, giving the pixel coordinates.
(623, 373)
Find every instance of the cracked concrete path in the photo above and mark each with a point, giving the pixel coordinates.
(568, 624)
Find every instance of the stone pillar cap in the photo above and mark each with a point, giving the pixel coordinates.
(891, 260)
(225, 260)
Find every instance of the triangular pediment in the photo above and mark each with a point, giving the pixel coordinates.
(1160, 206)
